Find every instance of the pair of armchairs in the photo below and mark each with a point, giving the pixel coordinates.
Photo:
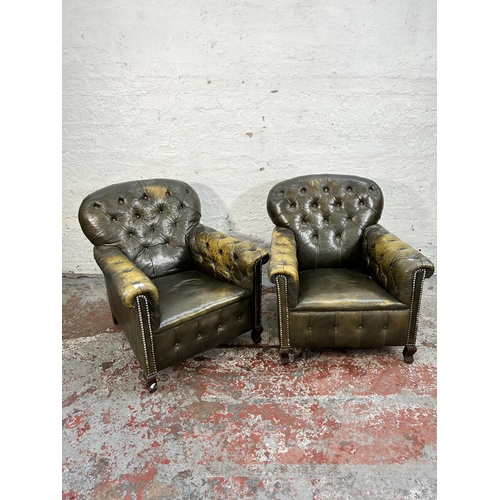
(178, 288)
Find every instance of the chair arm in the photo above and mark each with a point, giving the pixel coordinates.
(283, 261)
(224, 257)
(392, 262)
(125, 278)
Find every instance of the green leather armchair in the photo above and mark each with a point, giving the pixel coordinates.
(342, 280)
(175, 286)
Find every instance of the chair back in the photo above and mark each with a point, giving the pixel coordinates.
(148, 220)
(328, 214)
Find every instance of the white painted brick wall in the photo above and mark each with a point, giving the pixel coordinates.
(233, 96)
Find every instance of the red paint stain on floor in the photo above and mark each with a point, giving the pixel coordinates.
(310, 433)
(127, 485)
(77, 422)
(329, 373)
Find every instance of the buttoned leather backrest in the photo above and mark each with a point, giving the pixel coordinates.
(147, 220)
(328, 214)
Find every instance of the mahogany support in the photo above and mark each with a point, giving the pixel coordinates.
(151, 382)
(408, 352)
(256, 334)
(285, 356)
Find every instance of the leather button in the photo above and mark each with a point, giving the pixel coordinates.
(335, 328)
(360, 327)
(199, 336)
(177, 344)
(385, 327)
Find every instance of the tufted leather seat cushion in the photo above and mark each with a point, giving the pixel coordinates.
(342, 290)
(327, 214)
(146, 219)
(191, 294)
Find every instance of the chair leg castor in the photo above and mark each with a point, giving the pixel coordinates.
(285, 356)
(408, 352)
(151, 382)
(256, 334)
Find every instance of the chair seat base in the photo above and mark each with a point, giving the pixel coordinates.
(350, 329)
(408, 352)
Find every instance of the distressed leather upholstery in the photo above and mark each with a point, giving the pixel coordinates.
(342, 280)
(175, 286)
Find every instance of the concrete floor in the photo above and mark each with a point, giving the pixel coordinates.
(233, 423)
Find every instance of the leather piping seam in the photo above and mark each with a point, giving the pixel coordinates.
(280, 319)
(143, 334)
(282, 339)
(424, 273)
(257, 293)
(420, 271)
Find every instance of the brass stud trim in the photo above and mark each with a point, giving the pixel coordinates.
(143, 334)
(284, 338)
(412, 305)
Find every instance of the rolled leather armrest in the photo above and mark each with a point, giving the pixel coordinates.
(126, 279)
(283, 261)
(225, 257)
(392, 262)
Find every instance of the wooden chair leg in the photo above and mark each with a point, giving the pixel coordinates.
(408, 352)
(285, 356)
(151, 382)
(256, 334)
